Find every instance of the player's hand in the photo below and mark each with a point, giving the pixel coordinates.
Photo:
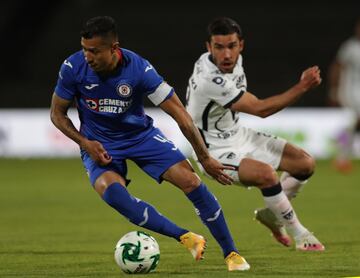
(310, 78)
(216, 170)
(97, 152)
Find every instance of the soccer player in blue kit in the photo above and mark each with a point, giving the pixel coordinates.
(108, 84)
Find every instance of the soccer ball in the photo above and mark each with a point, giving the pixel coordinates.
(137, 252)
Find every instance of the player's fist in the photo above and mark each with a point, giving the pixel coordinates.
(310, 78)
(96, 151)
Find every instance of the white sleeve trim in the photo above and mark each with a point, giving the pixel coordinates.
(160, 94)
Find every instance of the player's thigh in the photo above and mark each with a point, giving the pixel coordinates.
(254, 145)
(156, 154)
(101, 176)
(106, 179)
(296, 161)
(256, 173)
(183, 176)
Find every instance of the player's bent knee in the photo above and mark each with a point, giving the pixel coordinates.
(182, 176)
(190, 182)
(105, 180)
(311, 163)
(268, 177)
(307, 168)
(100, 188)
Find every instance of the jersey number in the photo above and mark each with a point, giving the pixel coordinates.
(162, 139)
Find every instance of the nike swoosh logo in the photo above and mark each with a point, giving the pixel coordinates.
(92, 86)
(67, 63)
(216, 216)
(148, 68)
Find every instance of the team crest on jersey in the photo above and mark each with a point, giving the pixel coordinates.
(124, 90)
(218, 80)
(93, 104)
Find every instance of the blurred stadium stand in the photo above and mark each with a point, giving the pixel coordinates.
(282, 38)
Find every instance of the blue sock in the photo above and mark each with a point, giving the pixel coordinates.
(139, 212)
(211, 214)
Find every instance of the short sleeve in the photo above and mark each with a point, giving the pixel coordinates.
(151, 79)
(154, 85)
(66, 84)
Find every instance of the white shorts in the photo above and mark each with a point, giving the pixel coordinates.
(251, 144)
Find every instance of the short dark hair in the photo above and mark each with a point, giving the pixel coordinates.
(223, 26)
(103, 26)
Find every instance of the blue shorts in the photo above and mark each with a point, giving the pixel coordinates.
(154, 154)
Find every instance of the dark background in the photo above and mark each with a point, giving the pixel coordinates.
(281, 39)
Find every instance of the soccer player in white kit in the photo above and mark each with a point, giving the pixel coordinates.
(216, 94)
(344, 89)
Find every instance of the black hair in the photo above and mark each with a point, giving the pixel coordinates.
(223, 26)
(103, 26)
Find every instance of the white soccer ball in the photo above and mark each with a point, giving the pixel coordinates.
(137, 252)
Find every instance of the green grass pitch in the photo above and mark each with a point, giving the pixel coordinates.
(53, 224)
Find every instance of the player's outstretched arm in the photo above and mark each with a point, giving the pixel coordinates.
(177, 111)
(59, 117)
(250, 104)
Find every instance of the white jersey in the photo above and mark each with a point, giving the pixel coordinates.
(209, 97)
(349, 83)
(210, 94)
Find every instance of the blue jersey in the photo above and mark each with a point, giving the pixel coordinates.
(111, 108)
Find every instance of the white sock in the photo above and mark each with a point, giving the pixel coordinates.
(290, 185)
(280, 205)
